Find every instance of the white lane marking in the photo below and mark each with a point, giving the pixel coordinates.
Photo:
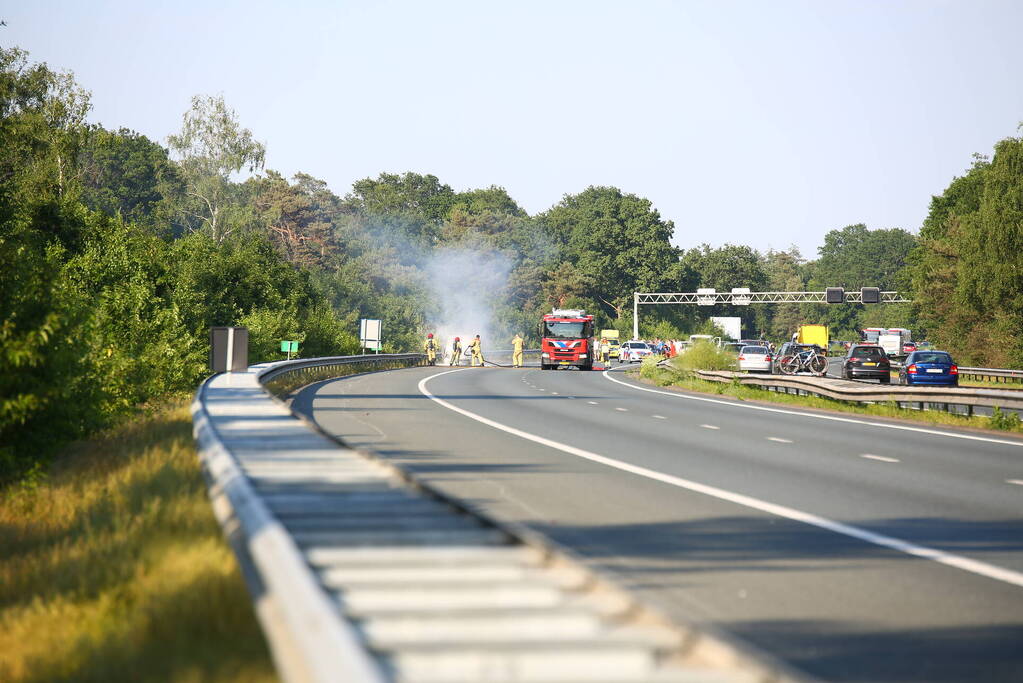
(881, 458)
(710, 427)
(779, 440)
(1017, 482)
(659, 417)
(816, 416)
(622, 410)
(959, 562)
(592, 403)
(554, 393)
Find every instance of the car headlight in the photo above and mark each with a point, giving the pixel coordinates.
(545, 355)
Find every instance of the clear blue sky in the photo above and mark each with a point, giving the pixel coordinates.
(757, 122)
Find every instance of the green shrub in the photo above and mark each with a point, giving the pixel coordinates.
(1002, 420)
(705, 356)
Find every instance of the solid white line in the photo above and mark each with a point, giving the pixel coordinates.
(817, 416)
(964, 563)
(710, 427)
(881, 458)
(775, 438)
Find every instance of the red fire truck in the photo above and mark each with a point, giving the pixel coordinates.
(566, 339)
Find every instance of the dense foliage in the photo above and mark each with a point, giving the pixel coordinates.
(117, 255)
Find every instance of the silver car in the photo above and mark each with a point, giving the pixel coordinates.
(755, 359)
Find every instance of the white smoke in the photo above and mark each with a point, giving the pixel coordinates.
(466, 285)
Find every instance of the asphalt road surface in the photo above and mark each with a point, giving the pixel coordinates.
(852, 549)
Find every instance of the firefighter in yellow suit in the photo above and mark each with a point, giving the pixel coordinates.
(456, 351)
(475, 346)
(431, 349)
(517, 351)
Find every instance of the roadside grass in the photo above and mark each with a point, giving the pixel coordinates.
(113, 567)
(665, 377)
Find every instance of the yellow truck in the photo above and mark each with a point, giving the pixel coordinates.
(614, 345)
(812, 334)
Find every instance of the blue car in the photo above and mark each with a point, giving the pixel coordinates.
(929, 367)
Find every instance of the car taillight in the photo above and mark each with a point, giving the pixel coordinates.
(741, 357)
(911, 369)
(767, 358)
(954, 370)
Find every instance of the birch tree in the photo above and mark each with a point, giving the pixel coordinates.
(211, 147)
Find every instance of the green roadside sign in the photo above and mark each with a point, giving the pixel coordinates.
(289, 346)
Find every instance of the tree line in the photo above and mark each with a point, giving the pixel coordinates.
(117, 254)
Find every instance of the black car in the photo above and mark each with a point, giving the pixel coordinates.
(790, 349)
(867, 361)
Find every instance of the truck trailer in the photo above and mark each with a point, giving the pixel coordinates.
(813, 334)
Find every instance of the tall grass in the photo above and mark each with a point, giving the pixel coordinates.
(113, 567)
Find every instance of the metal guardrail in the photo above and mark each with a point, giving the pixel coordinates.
(359, 572)
(966, 398)
(996, 374)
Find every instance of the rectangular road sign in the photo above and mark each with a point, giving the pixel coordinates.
(289, 346)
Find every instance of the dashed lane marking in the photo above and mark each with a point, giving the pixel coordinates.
(1017, 482)
(778, 439)
(990, 571)
(592, 403)
(622, 410)
(710, 427)
(659, 417)
(880, 458)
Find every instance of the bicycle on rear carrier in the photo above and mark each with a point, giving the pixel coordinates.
(808, 360)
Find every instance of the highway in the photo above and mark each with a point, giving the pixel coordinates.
(852, 549)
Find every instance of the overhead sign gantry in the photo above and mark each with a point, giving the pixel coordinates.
(742, 296)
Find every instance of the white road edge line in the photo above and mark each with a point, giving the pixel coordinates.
(816, 416)
(964, 563)
(881, 458)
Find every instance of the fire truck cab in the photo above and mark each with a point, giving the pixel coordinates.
(566, 339)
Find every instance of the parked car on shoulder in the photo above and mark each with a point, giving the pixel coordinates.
(867, 361)
(929, 367)
(755, 358)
